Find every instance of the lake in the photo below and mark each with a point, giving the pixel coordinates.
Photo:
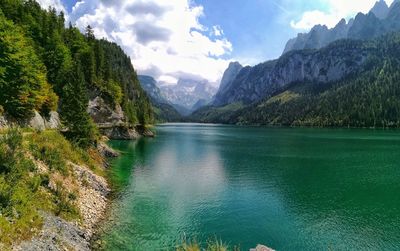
(290, 189)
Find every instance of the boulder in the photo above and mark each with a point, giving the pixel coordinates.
(37, 122)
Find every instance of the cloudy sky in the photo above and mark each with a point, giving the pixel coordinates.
(168, 39)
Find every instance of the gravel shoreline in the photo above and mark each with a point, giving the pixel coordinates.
(58, 234)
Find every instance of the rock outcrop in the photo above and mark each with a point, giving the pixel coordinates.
(37, 122)
(227, 79)
(105, 113)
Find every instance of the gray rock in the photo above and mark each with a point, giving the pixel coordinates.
(380, 9)
(37, 122)
(227, 79)
(262, 248)
(3, 122)
(57, 235)
(107, 151)
(120, 132)
(53, 121)
(104, 113)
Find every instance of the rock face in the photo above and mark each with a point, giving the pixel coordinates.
(37, 122)
(103, 113)
(380, 9)
(119, 132)
(227, 79)
(380, 20)
(326, 65)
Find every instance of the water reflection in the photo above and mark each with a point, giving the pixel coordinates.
(293, 189)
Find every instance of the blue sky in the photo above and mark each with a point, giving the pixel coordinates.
(257, 29)
(172, 39)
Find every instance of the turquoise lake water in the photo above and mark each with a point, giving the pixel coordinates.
(290, 189)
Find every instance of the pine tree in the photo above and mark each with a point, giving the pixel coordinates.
(81, 128)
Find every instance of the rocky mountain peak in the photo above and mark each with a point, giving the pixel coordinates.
(380, 9)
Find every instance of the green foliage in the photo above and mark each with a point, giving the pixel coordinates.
(26, 189)
(39, 55)
(19, 194)
(23, 80)
(81, 128)
(211, 245)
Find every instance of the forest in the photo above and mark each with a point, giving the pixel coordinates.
(46, 65)
(366, 98)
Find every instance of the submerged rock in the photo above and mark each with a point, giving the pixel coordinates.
(107, 151)
(262, 248)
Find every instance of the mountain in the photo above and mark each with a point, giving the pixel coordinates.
(380, 9)
(380, 20)
(226, 82)
(187, 92)
(255, 83)
(164, 111)
(149, 84)
(252, 84)
(351, 83)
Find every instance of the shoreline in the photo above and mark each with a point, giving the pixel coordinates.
(94, 201)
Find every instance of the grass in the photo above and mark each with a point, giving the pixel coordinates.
(282, 98)
(211, 245)
(35, 176)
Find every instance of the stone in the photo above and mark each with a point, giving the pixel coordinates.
(53, 121)
(262, 248)
(37, 122)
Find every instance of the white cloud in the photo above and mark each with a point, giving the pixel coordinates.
(53, 3)
(163, 38)
(337, 9)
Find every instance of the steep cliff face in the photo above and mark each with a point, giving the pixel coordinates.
(226, 82)
(329, 64)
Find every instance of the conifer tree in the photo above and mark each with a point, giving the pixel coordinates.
(80, 126)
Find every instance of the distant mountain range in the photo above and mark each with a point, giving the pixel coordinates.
(174, 101)
(188, 94)
(325, 77)
(164, 110)
(380, 20)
